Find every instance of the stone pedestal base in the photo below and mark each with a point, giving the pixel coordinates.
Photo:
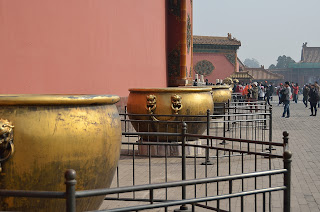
(218, 108)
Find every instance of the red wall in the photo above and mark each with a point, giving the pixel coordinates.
(222, 67)
(81, 46)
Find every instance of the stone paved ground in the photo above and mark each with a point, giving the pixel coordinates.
(304, 139)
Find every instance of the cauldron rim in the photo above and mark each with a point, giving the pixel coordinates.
(220, 86)
(57, 99)
(171, 89)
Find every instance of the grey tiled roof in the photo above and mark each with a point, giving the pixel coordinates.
(310, 55)
(225, 41)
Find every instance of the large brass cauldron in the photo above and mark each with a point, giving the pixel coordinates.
(220, 95)
(43, 135)
(169, 101)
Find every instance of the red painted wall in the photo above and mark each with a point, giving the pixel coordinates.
(81, 46)
(222, 67)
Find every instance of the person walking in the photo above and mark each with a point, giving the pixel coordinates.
(254, 91)
(295, 92)
(254, 94)
(269, 92)
(313, 99)
(247, 91)
(305, 92)
(316, 85)
(281, 87)
(286, 91)
(261, 93)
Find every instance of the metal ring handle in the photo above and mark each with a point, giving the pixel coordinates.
(11, 146)
(6, 140)
(176, 103)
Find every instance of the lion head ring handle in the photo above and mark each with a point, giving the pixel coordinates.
(6, 141)
(151, 106)
(176, 104)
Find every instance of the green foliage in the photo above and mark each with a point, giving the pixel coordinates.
(251, 63)
(272, 66)
(283, 62)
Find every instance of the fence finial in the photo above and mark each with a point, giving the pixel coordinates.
(287, 154)
(285, 137)
(70, 174)
(184, 125)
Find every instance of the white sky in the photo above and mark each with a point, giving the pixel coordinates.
(266, 28)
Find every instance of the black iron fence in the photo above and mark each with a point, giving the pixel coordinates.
(248, 120)
(207, 156)
(224, 199)
(245, 120)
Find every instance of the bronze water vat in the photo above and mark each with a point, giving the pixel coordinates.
(41, 136)
(221, 94)
(169, 101)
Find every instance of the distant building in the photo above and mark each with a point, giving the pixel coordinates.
(310, 54)
(215, 57)
(307, 70)
(261, 74)
(242, 76)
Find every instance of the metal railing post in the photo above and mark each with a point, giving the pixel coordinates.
(208, 162)
(228, 114)
(285, 140)
(224, 119)
(125, 119)
(224, 123)
(287, 180)
(183, 207)
(265, 116)
(270, 124)
(270, 148)
(70, 176)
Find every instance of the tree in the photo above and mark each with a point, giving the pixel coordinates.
(284, 61)
(251, 63)
(272, 66)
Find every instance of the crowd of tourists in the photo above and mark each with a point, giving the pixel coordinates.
(286, 92)
(255, 91)
(290, 91)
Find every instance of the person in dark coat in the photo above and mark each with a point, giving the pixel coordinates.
(269, 93)
(313, 99)
(305, 93)
(195, 83)
(286, 93)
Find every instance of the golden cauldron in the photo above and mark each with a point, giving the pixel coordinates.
(41, 136)
(220, 95)
(169, 101)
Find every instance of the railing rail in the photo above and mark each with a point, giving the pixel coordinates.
(98, 192)
(70, 195)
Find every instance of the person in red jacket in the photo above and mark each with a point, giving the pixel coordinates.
(295, 92)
